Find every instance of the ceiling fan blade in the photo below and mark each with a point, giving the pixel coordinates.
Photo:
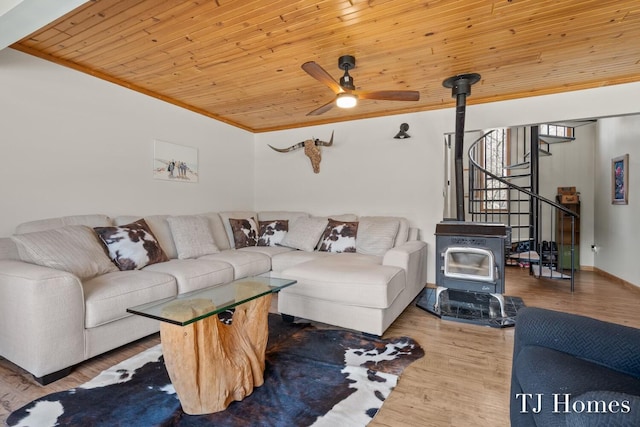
(319, 73)
(389, 95)
(321, 110)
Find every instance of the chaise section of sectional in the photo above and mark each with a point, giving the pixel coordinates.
(340, 292)
(361, 291)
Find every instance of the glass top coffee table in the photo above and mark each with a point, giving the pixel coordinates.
(192, 306)
(211, 364)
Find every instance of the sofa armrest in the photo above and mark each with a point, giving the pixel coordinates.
(412, 258)
(608, 344)
(41, 317)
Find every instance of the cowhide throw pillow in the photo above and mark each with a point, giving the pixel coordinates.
(132, 246)
(245, 232)
(272, 232)
(339, 236)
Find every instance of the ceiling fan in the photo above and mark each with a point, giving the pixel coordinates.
(346, 94)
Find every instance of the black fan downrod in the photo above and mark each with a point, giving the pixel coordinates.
(346, 63)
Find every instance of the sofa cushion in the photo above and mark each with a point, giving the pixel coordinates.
(125, 219)
(74, 248)
(376, 235)
(284, 215)
(550, 372)
(403, 232)
(8, 249)
(338, 279)
(218, 230)
(245, 263)
(356, 258)
(304, 233)
(192, 236)
(108, 296)
(272, 232)
(160, 228)
(343, 217)
(131, 246)
(282, 261)
(192, 274)
(269, 251)
(91, 220)
(339, 236)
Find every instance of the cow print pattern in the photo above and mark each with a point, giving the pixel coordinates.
(339, 236)
(131, 246)
(245, 232)
(272, 232)
(312, 377)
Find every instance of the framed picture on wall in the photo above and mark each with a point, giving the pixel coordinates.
(173, 162)
(620, 180)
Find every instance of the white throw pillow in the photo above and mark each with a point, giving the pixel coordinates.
(192, 236)
(376, 235)
(74, 248)
(304, 233)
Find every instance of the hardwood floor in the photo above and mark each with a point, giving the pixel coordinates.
(463, 379)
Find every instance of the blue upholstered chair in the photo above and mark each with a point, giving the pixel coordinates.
(571, 370)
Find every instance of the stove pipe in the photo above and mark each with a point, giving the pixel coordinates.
(460, 88)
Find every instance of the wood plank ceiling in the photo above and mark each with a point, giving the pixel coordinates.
(239, 61)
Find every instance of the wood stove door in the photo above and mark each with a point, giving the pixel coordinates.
(469, 263)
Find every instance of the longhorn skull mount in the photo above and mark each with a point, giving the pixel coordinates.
(311, 150)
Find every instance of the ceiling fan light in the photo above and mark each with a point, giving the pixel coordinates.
(346, 100)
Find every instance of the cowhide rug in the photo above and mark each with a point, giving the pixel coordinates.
(319, 377)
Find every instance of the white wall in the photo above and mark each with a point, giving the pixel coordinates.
(617, 232)
(572, 164)
(368, 172)
(74, 144)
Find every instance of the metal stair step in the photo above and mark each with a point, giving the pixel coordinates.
(545, 153)
(553, 139)
(519, 175)
(523, 165)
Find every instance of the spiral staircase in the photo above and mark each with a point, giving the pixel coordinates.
(504, 188)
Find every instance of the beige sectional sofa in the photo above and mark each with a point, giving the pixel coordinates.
(65, 283)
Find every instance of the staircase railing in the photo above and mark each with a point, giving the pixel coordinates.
(530, 216)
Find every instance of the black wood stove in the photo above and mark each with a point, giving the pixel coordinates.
(471, 257)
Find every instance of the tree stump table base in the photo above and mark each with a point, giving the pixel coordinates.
(212, 364)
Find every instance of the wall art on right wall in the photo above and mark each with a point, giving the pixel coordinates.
(620, 180)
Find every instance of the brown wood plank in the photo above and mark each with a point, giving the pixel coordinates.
(231, 60)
